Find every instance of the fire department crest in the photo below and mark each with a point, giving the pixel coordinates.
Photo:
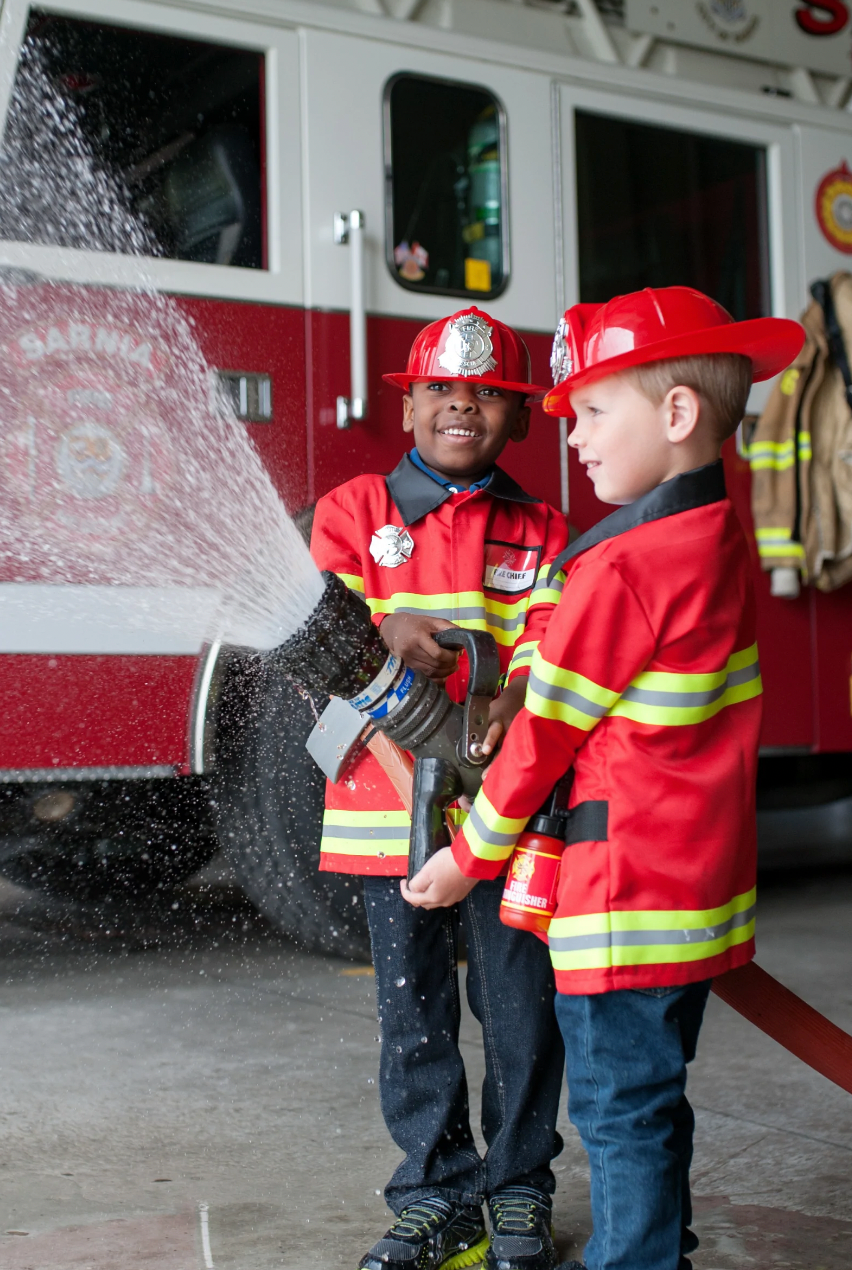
(391, 545)
(561, 361)
(468, 350)
(523, 867)
(90, 460)
(834, 207)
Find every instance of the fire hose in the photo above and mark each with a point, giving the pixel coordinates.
(339, 651)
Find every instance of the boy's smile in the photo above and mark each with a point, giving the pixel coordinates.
(460, 428)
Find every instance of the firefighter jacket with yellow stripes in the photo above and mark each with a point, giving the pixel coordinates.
(647, 684)
(801, 458)
(479, 559)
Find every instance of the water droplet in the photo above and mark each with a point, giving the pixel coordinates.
(400, 982)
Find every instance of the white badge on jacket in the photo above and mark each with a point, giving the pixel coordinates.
(391, 545)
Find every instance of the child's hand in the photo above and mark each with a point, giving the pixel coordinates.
(439, 884)
(502, 711)
(409, 636)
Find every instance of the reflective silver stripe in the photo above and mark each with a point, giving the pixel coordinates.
(567, 696)
(472, 613)
(542, 585)
(22, 775)
(650, 697)
(490, 835)
(638, 938)
(355, 831)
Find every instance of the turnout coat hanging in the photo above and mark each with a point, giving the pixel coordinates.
(478, 558)
(801, 450)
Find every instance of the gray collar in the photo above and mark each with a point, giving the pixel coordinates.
(416, 494)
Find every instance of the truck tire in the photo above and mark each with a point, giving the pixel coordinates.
(270, 798)
(93, 841)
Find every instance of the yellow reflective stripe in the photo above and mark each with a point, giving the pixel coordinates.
(781, 463)
(456, 816)
(353, 582)
(563, 695)
(523, 655)
(369, 833)
(472, 610)
(489, 835)
(779, 455)
(658, 697)
(602, 940)
(771, 447)
(773, 542)
(789, 380)
(413, 601)
(544, 593)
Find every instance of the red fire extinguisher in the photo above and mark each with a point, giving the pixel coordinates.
(529, 898)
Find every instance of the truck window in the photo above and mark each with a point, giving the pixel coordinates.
(659, 207)
(445, 164)
(176, 123)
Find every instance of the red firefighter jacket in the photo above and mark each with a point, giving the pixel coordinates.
(647, 682)
(408, 545)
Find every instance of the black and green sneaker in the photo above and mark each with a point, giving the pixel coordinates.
(430, 1232)
(520, 1230)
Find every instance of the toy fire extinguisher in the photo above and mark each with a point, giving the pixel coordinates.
(529, 899)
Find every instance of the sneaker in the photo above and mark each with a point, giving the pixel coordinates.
(429, 1233)
(520, 1230)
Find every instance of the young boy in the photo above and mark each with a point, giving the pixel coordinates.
(647, 684)
(448, 538)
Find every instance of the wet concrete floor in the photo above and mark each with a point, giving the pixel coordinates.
(190, 1092)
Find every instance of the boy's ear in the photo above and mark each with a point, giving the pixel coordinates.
(521, 425)
(408, 413)
(682, 407)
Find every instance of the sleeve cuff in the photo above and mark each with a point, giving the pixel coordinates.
(472, 866)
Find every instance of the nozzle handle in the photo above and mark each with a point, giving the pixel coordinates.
(436, 784)
(484, 662)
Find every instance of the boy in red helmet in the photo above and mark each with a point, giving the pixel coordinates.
(647, 685)
(448, 538)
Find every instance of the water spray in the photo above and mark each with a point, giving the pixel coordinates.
(338, 651)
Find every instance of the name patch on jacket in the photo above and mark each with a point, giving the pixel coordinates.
(509, 567)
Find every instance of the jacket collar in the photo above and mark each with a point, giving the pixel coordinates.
(416, 494)
(682, 493)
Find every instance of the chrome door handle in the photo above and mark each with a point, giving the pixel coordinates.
(349, 229)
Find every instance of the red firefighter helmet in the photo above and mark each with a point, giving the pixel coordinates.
(469, 345)
(595, 340)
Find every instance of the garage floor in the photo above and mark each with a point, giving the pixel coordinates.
(190, 1091)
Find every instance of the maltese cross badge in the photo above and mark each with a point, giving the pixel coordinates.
(391, 545)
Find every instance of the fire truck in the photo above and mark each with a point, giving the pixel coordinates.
(322, 179)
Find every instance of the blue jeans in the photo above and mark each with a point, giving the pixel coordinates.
(422, 1078)
(627, 1053)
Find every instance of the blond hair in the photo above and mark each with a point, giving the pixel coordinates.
(722, 382)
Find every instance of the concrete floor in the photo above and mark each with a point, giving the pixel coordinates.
(192, 1092)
